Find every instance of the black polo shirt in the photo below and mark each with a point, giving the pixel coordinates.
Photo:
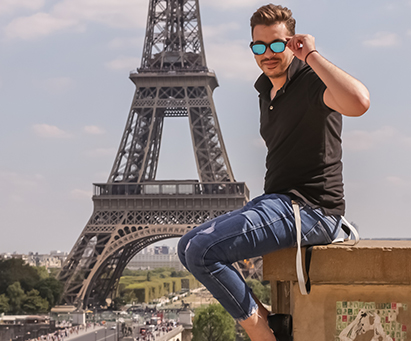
(303, 137)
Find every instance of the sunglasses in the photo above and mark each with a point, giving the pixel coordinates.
(259, 47)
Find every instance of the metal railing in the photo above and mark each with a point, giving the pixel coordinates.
(189, 188)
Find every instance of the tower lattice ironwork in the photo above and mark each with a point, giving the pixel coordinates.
(133, 209)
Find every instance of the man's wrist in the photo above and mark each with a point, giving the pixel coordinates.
(312, 51)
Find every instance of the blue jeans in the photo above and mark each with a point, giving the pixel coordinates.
(263, 225)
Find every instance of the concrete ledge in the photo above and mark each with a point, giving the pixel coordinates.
(369, 262)
(358, 292)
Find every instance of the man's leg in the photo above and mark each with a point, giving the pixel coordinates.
(256, 325)
(184, 241)
(264, 225)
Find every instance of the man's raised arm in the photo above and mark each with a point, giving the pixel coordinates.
(344, 93)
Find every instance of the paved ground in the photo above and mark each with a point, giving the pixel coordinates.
(83, 332)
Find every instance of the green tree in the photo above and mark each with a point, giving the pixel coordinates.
(33, 303)
(213, 323)
(129, 296)
(16, 296)
(128, 272)
(260, 289)
(179, 273)
(14, 270)
(4, 304)
(148, 276)
(51, 289)
(42, 272)
(54, 272)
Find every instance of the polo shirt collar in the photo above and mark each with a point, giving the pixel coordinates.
(263, 83)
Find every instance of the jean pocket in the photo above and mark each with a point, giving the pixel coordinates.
(317, 235)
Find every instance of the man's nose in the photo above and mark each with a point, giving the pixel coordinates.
(268, 53)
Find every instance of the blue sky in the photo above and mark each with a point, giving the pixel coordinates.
(65, 97)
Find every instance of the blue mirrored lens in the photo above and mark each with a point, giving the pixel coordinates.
(258, 48)
(277, 47)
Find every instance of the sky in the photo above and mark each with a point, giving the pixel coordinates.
(65, 97)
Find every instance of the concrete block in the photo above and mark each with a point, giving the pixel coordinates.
(359, 293)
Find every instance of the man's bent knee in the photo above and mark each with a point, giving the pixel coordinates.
(181, 246)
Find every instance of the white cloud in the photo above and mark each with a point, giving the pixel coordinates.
(228, 4)
(215, 32)
(81, 194)
(365, 140)
(20, 180)
(124, 63)
(383, 39)
(9, 6)
(237, 62)
(37, 25)
(16, 186)
(94, 130)
(114, 13)
(56, 84)
(398, 181)
(76, 14)
(101, 152)
(120, 43)
(361, 140)
(49, 131)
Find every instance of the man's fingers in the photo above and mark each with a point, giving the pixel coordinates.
(295, 43)
(301, 41)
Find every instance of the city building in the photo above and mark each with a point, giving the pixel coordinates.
(53, 260)
(156, 257)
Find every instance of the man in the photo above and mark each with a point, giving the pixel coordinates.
(302, 98)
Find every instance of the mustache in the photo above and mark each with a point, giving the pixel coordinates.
(270, 59)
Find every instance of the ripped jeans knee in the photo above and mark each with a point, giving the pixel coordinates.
(201, 252)
(184, 249)
(205, 228)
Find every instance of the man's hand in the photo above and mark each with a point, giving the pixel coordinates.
(301, 45)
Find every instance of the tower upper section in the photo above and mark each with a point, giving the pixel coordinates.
(174, 40)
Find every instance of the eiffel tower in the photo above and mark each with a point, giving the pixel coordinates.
(133, 209)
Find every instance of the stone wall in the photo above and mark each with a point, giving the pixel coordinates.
(359, 293)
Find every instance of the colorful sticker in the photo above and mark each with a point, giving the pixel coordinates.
(356, 318)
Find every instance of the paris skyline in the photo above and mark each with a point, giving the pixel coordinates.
(65, 96)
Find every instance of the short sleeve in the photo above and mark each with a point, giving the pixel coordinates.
(316, 89)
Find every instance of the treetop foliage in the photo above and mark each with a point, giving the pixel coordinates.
(27, 289)
(164, 272)
(213, 323)
(14, 270)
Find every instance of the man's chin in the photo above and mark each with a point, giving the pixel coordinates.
(272, 73)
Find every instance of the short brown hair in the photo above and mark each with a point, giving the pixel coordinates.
(273, 14)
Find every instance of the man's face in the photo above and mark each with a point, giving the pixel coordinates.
(274, 65)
